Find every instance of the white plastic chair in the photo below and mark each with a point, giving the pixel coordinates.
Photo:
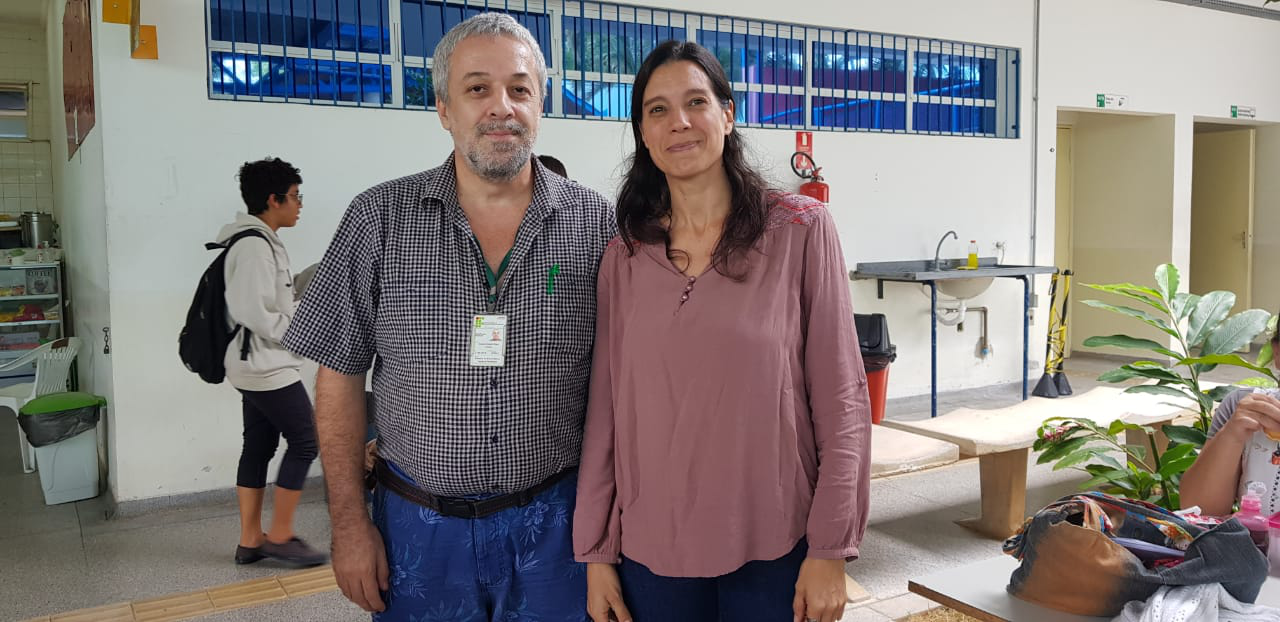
(53, 368)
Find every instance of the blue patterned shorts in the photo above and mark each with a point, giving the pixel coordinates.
(515, 566)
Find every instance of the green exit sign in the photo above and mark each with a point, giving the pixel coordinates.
(1244, 112)
(1112, 100)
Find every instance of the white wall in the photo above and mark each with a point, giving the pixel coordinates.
(1266, 220)
(170, 155)
(26, 182)
(1173, 59)
(81, 209)
(1123, 187)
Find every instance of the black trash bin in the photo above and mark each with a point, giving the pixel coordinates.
(877, 354)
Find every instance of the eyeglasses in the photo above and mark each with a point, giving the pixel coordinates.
(297, 196)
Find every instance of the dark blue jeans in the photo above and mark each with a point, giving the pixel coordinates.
(758, 591)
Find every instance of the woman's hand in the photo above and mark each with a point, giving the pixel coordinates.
(820, 591)
(604, 594)
(1256, 411)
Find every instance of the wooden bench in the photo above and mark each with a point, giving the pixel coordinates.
(1001, 439)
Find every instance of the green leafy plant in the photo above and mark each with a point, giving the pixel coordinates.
(1090, 447)
(1201, 337)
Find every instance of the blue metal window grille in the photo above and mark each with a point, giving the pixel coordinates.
(379, 53)
(765, 62)
(963, 88)
(424, 22)
(602, 54)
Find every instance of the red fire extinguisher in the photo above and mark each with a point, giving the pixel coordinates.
(814, 187)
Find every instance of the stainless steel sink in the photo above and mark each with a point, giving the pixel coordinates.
(924, 270)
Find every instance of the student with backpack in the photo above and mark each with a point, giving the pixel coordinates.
(260, 304)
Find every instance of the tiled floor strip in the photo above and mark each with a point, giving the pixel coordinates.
(213, 600)
(251, 593)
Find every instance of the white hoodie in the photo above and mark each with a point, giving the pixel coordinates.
(260, 298)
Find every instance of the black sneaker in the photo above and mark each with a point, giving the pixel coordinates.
(295, 551)
(248, 554)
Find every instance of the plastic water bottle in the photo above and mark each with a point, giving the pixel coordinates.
(1250, 514)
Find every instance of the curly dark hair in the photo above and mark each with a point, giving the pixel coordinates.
(645, 199)
(259, 180)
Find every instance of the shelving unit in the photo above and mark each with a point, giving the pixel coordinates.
(31, 311)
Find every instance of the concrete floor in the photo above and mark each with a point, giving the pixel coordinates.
(65, 557)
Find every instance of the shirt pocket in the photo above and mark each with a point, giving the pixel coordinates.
(568, 294)
(415, 324)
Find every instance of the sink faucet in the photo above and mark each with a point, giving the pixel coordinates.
(937, 263)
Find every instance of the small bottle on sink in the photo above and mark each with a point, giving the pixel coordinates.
(973, 255)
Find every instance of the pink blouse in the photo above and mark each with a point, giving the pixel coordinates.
(726, 419)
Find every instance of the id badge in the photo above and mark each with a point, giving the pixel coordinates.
(488, 340)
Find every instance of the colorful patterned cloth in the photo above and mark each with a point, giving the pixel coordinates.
(1070, 562)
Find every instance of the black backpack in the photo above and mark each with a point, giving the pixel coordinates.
(203, 342)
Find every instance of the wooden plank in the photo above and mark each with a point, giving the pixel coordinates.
(1003, 479)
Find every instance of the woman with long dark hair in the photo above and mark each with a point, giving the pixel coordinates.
(724, 473)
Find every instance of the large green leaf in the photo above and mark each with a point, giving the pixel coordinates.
(1236, 332)
(1183, 435)
(1224, 359)
(1134, 343)
(1142, 316)
(1145, 295)
(1176, 460)
(1209, 312)
(1183, 304)
(1117, 375)
(1261, 382)
(1061, 449)
(1160, 389)
(1078, 457)
(1167, 280)
(1153, 370)
(1220, 392)
(1266, 355)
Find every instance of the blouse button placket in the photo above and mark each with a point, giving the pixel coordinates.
(688, 288)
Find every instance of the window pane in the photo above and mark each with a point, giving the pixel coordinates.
(423, 23)
(610, 46)
(271, 76)
(349, 25)
(757, 59)
(768, 108)
(954, 118)
(601, 99)
(950, 75)
(13, 127)
(418, 90)
(859, 68)
(853, 113)
(13, 100)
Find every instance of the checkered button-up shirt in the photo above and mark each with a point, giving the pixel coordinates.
(404, 278)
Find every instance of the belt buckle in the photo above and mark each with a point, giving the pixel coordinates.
(459, 508)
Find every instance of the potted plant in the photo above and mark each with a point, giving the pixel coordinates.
(1201, 337)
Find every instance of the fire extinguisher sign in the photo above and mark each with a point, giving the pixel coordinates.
(804, 144)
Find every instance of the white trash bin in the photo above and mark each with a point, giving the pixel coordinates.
(63, 431)
(69, 469)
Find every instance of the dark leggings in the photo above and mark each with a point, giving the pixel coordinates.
(267, 416)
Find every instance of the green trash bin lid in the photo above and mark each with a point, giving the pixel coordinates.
(62, 402)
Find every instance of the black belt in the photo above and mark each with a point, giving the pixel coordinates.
(461, 508)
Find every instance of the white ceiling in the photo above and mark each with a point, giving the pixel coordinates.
(22, 11)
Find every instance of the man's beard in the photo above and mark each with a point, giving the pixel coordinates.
(504, 160)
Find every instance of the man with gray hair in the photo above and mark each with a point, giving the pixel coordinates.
(473, 283)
